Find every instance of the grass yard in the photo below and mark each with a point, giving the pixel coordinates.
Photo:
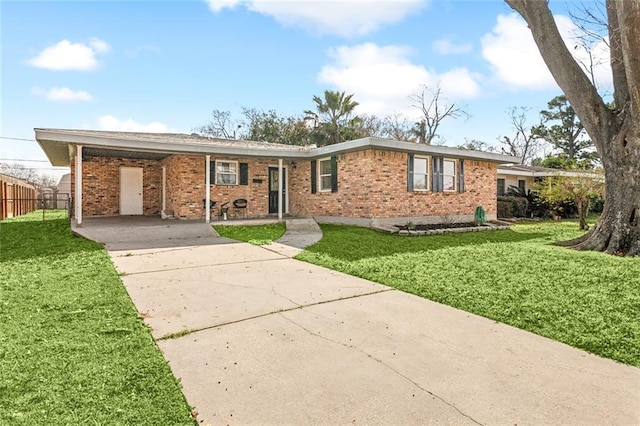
(587, 300)
(255, 234)
(72, 347)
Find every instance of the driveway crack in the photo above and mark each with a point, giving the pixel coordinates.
(398, 373)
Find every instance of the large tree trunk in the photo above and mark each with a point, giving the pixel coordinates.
(615, 133)
(618, 229)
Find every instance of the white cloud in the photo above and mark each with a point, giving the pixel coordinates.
(510, 49)
(217, 5)
(345, 18)
(68, 56)
(63, 94)
(109, 122)
(382, 78)
(447, 47)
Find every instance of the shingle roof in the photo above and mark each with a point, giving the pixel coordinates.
(57, 144)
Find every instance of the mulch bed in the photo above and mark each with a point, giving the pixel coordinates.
(434, 226)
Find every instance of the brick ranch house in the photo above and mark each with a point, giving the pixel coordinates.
(362, 182)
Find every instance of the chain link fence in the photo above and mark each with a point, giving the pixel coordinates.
(52, 206)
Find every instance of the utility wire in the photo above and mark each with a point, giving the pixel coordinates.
(17, 139)
(20, 159)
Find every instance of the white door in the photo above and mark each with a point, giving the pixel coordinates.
(130, 190)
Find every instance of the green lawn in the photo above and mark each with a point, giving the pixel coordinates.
(72, 347)
(256, 234)
(587, 300)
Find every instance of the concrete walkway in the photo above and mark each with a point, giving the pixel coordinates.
(259, 338)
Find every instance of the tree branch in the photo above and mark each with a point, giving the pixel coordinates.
(628, 18)
(593, 112)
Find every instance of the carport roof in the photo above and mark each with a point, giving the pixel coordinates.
(58, 146)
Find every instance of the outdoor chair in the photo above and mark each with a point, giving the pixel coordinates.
(212, 207)
(240, 207)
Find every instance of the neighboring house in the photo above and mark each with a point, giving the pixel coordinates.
(360, 182)
(17, 197)
(524, 177)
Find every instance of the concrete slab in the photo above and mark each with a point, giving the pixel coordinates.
(127, 233)
(272, 371)
(394, 358)
(301, 233)
(202, 287)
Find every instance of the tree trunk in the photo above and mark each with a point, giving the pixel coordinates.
(583, 210)
(618, 229)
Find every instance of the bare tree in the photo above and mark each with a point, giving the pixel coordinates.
(433, 110)
(220, 126)
(396, 126)
(614, 131)
(524, 143)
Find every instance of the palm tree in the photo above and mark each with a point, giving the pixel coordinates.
(333, 119)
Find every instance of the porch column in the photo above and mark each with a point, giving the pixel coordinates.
(207, 196)
(280, 192)
(78, 185)
(163, 215)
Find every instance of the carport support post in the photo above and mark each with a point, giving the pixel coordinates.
(207, 196)
(78, 185)
(164, 192)
(280, 187)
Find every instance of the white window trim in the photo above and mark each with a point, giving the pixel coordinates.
(455, 173)
(320, 175)
(427, 174)
(237, 173)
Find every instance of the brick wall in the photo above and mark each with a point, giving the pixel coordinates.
(186, 186)
(256, 192)
(373, 184)
(101, 185)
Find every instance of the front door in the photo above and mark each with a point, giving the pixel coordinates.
(273, 190)
(130, 190)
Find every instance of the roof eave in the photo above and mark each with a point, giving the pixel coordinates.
(401, 146)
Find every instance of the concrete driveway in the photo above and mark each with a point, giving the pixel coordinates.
(259, 338)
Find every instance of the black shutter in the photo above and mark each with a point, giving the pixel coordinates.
(435, 176)
(461, 182)
(334, 174)
(244, 173)
(212, 172)
(410, 172)
(313, 176)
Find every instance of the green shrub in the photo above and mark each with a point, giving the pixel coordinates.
(504, 209)
(518, 205)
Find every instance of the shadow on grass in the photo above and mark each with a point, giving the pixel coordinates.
(351, 243)
(32, 239)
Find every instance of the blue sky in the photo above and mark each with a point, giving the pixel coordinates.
(163, 66)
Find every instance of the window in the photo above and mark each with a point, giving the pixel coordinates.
(500, 187)
(226, 173)
(521, 184)
(448, 175)
(435, 173)
(420, 174)
(324, 174)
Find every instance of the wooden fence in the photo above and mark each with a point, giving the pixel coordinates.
(17, 197)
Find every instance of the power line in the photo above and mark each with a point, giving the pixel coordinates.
(20, 159)
(17, 139)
